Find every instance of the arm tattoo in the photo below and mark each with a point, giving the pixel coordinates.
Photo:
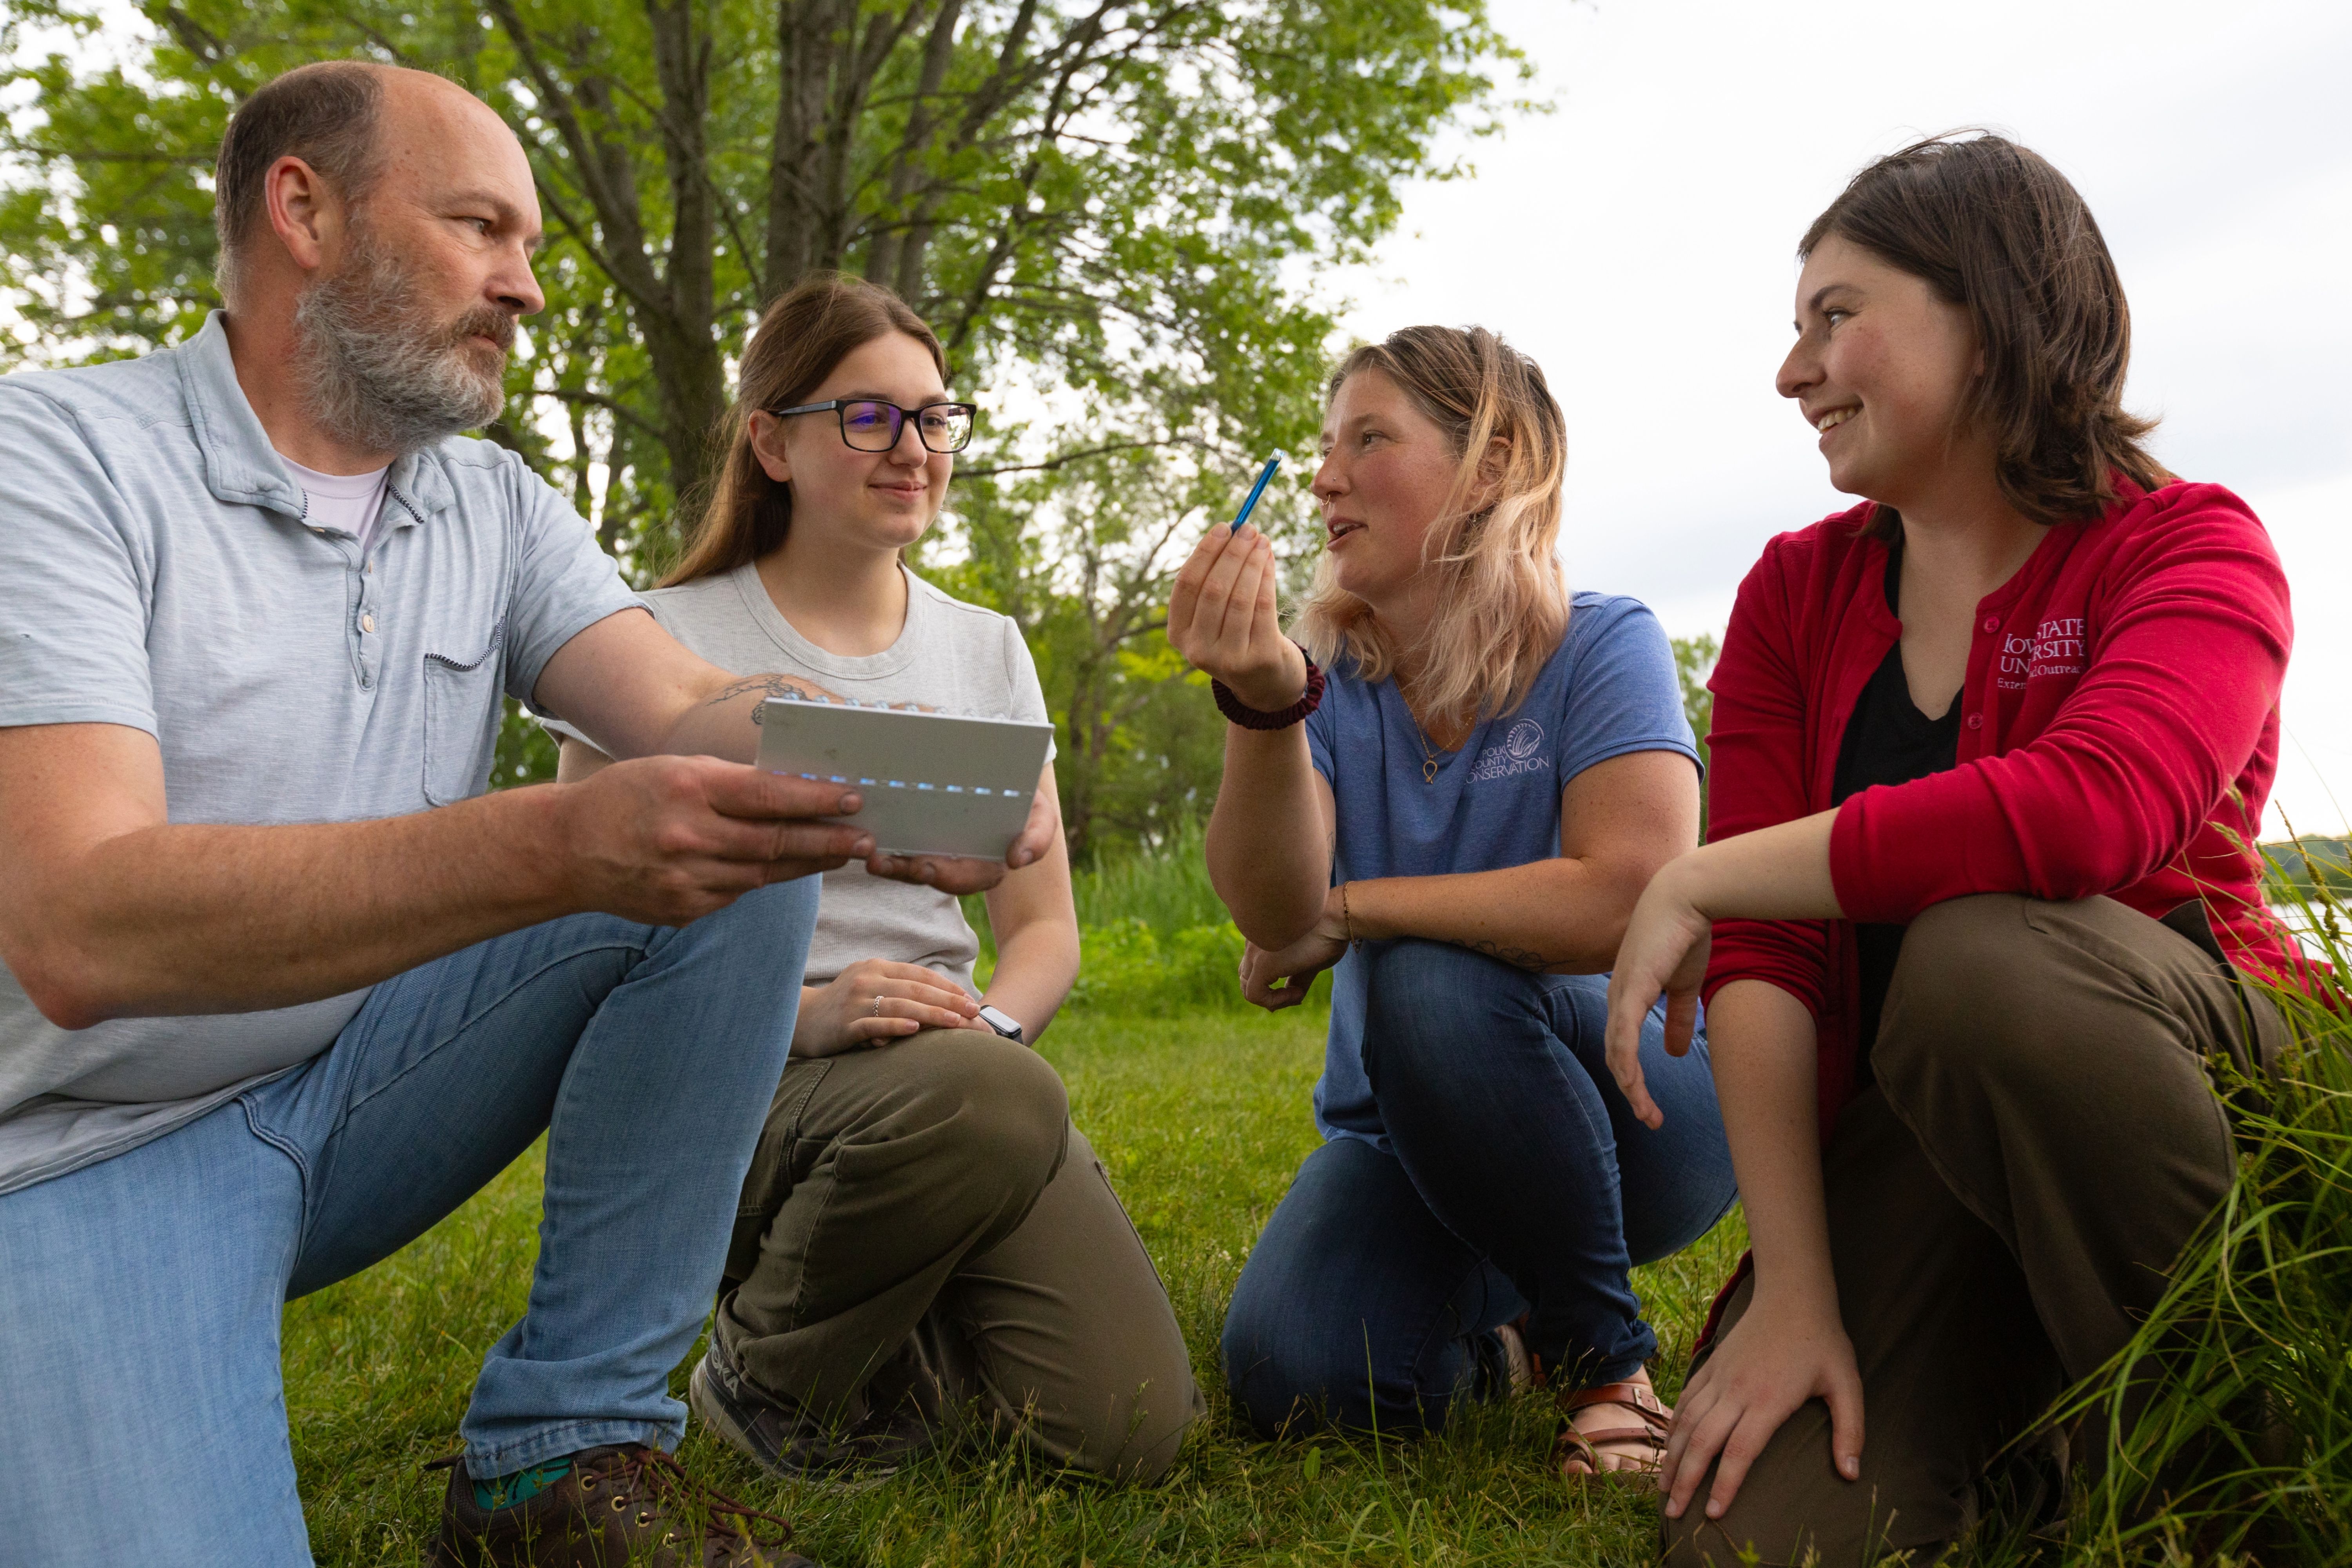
(774, 684)
(1520, 956)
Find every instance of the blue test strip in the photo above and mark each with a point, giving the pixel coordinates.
(1257, 489)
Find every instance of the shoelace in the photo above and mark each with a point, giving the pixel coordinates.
(667, 1484)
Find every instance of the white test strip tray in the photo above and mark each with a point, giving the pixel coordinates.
(935, 784)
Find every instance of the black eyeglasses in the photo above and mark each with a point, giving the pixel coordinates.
(870, 424)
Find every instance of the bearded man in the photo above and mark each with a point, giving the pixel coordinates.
(283, 986)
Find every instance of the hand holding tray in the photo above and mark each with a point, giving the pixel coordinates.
(935, 784)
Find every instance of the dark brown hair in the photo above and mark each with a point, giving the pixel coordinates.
(810, 329)
(324, 114)
(1992, 226)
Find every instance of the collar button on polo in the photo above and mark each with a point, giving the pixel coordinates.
(1976, 720)
(1992, 622)
(367, 623)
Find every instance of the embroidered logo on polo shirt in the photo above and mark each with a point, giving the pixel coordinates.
(1517, 755)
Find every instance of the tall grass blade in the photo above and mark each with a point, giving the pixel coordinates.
(2225, 1426)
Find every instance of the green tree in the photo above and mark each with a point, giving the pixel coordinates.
(1693, 662)
(1083, 557)
(1114, 212)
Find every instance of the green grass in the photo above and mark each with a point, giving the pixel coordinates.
(1155, 935)
(2250, 1444)
(1202, 1113)
(1168, 890)
(2245, 1452)
(1202, 1118)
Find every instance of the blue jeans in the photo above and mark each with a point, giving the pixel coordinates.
(140, 1296)
(1520, 1184)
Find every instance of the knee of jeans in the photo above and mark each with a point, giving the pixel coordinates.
(1001, 1105)
(1413, 977)
(1284, 1381)
(765, 914)
(1417, 998)
(1277, 1395)
(1967, 991)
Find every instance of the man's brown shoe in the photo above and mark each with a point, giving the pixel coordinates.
(626, 1504)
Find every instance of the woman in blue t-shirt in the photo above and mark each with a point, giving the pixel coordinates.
(1459, 815)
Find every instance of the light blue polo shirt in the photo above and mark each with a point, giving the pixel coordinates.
(1609, 688)
(156, 572)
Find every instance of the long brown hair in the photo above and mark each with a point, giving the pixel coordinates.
(1504, 604)
(1992, 226)
(810, 329)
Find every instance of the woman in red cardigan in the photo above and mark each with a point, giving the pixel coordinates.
(1990, 754)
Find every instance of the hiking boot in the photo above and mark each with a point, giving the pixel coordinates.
(625, 1503)
(787, 1441)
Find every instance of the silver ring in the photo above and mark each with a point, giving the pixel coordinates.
(878, 1005)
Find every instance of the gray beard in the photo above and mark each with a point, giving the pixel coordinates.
(381, 374)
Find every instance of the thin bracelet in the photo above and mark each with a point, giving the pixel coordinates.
(1347, 920)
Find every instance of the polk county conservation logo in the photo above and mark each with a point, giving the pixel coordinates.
(1517, 755)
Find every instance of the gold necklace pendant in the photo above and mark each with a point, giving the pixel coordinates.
(1428, 754)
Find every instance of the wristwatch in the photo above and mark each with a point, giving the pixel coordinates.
(1004, 1024)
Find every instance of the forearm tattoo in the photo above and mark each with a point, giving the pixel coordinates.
(1519, 956)
(771, 685)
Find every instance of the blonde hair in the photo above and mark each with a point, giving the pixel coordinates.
(1503, 600)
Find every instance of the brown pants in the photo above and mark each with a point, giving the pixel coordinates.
(2043, 1140)
(921, 1222)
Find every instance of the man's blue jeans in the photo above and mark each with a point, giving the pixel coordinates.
(139, 1296)
(1520, 1182)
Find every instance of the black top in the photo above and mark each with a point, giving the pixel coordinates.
(1888, 741)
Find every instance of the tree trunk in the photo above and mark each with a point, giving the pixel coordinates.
(1081, 782)
(895, 258)
(673, 305)
(686, 364)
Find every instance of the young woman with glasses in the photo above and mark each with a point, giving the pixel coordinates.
(1990, 753)
(923, 1235)
(1458, 810)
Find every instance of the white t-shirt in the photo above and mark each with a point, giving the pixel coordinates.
(951, 655)
(348, 502)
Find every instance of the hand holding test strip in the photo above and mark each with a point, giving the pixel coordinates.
(1224, 616)
(1257, 489)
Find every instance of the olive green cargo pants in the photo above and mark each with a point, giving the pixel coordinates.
(2042, 1140)
(921, 1222)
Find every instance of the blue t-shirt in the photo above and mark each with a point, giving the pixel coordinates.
(1608, 689)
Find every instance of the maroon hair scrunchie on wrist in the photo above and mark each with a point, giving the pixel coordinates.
(1249, 718)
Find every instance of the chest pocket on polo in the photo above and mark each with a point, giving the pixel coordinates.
(461, 722)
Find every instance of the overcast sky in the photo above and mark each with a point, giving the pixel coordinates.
(1639, 243)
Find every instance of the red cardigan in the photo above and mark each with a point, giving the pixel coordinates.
(2120, 730)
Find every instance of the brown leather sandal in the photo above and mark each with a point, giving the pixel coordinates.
(1582, 1449)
